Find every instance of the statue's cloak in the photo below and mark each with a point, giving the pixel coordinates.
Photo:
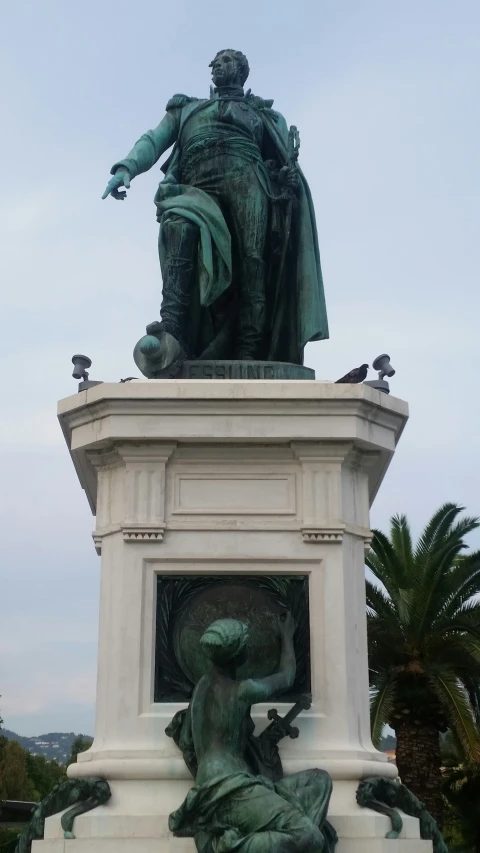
(296, 310)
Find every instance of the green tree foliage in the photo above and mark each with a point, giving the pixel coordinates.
(44, 774)
(24, 776)
(423, 618)
(9, 837)
(80, 744)
(461, 788)
(14, 780)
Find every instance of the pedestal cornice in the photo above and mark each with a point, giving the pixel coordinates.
(296, 414)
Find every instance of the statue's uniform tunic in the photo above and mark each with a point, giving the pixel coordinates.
(213, 208)
(220, 155)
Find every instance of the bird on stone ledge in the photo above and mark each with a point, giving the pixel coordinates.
(358, 374)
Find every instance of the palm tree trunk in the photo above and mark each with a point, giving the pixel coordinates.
(418, 762)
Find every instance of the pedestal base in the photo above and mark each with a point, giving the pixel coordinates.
(136, 821)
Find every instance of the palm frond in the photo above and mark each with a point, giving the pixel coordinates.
(472, 686)
(383, 576)
(381, 705)
(463, 527)
(401, 539)
(466, 620)
(461, 583)
(434, 577)
(442, 519)
(378, 601)
(389, 563)
(454, 699)
(456, 652)
(392, 570)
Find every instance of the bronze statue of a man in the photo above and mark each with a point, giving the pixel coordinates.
(238, 242)
(233, 807)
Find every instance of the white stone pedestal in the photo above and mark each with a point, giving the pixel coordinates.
(220, 476)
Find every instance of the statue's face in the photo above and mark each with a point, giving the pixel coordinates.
(225, 70)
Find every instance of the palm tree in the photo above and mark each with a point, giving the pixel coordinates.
(424, 645)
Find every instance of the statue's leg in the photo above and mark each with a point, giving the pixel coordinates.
(249, 215)
(252, 313)
(179, 245)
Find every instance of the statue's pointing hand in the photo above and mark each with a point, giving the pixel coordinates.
(121, 178)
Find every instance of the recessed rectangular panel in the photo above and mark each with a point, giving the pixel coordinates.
(228, 493)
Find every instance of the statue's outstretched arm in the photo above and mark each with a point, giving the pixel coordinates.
(260, 689)
(144, 154)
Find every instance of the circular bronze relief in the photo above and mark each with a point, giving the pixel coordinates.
(256, 607)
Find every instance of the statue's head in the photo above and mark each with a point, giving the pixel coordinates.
(225, 642)
(229, 68)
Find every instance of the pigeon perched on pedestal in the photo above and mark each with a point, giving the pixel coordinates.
(358, 374)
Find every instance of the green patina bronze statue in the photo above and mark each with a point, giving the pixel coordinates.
(386, 796)
(82, 795)
(239, 800)
(238, 241)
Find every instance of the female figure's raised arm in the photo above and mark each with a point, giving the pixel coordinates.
(260, 689)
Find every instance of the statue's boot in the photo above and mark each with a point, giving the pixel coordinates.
(252, 311)
(179, 268)
(166, 345)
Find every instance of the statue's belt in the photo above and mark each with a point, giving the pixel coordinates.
(205, 147)
(202, 148)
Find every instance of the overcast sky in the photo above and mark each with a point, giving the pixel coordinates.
(386, 96)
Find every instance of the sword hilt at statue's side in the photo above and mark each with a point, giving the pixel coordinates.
(288, 195)
(285, 728)
(280, 726)
(293, 145)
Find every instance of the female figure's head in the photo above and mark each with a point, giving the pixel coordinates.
(225, 643)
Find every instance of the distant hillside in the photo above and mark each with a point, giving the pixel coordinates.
(59, 744)
(53, 745)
